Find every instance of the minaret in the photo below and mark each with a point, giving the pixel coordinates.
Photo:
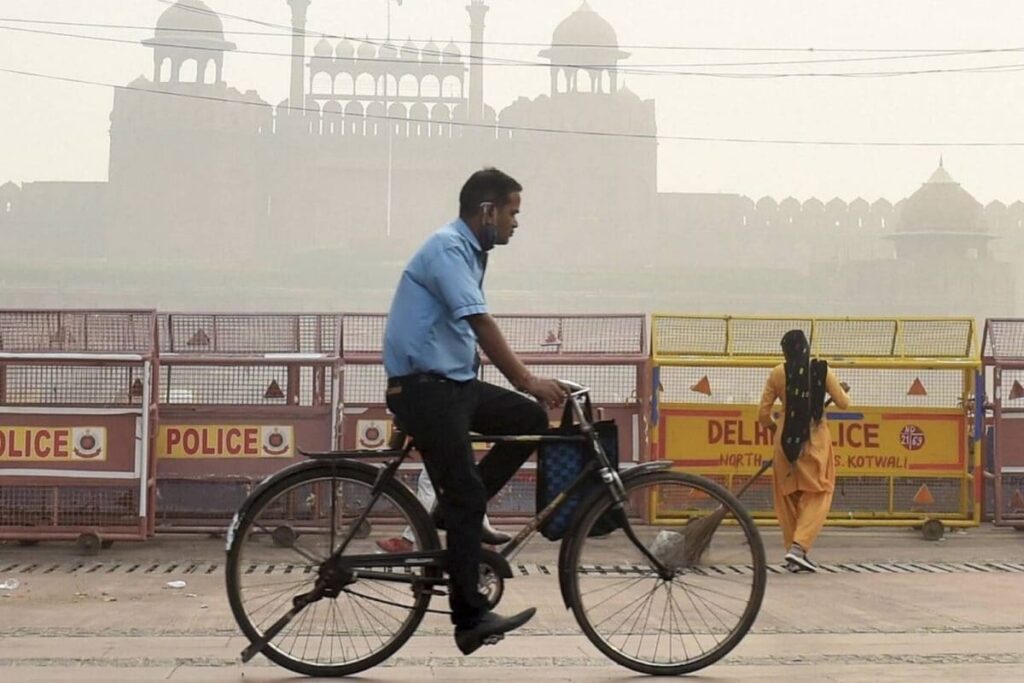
(297, 98)
(477, 11)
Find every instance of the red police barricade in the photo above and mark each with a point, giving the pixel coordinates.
(1003, 356)
(605, 352)
(241, 393)
(77, 397)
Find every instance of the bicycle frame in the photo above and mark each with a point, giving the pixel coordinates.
(600, 463)
(339, 570)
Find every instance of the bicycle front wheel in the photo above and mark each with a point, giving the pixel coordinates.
(276, 552)
(670, 626)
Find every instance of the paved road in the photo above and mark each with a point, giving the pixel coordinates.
(894, 607)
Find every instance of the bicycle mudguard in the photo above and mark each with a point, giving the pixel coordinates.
(283, 474)
(564, 570)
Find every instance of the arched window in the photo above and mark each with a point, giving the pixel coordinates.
(322, 84)
(7, 207)
(210, 76)
(430, 86)
(583, 82)
(451, 87)
(419, 119)
(165, 70)
(408, 86)
(375, 119)
(365, 86)
(354, 118)
(561, 82)
(440, 118)
(398, 119)
(189, 71)
(344, 84)
(392, 86)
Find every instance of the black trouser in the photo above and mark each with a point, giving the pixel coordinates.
(440, 414)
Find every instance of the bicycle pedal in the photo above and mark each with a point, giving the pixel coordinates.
(494, 640)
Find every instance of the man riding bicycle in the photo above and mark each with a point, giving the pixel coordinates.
(437, 318)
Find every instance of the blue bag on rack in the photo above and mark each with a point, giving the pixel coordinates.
(559, 464)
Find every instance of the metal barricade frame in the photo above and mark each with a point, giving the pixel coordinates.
(81, 386)
(1003, 358)
(709, 371)
(241, 393)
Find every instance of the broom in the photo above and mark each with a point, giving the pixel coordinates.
(699, 530)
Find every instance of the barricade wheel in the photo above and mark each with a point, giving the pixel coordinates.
(284, 536)
(933, 529)
(364, 530)
(491, 585)
(89, 543)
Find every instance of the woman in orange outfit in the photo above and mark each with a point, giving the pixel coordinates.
(803, 465)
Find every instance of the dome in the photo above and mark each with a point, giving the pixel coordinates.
(344, 49)
(323, 49)
(431, 52)
(941, 205)
(366, 50)
(387, 51)
(410, 52)
(190, 25)
(584, 37)
(584, 27)
(452, 53)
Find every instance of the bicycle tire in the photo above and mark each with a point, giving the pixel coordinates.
(599, 503)
(398, 494)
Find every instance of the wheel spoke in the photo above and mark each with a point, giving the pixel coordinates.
(370, 618)
(661, 626)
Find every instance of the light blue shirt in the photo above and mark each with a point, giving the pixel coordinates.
(427, 330)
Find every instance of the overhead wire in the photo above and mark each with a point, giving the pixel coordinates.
(628, 70)
(534, 129)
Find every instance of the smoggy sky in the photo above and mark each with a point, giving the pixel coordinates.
(58, 131)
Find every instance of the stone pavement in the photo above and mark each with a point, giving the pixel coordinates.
(893, 607)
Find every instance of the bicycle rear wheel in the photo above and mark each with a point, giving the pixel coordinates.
(658, 626)
(276, 552)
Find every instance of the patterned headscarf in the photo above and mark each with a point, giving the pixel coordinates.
(805, 392)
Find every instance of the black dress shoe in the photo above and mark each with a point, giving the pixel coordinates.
(490, 629)
(488, 535)
(494, 537)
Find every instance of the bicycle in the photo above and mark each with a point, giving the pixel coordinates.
(338, 607)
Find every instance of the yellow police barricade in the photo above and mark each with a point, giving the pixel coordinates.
(904, 450)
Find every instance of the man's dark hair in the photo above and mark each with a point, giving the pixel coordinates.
(488, 185)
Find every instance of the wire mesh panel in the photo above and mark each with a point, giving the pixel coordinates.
(364, 384)
(67, 385)
(249, 334)
(609, 384)
(945, 338)
(1004, 339)
(901, 449)
(862, 338)
(239, 385)
(937, 338)
(590, 335)
(76, 331)
(363, 333)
